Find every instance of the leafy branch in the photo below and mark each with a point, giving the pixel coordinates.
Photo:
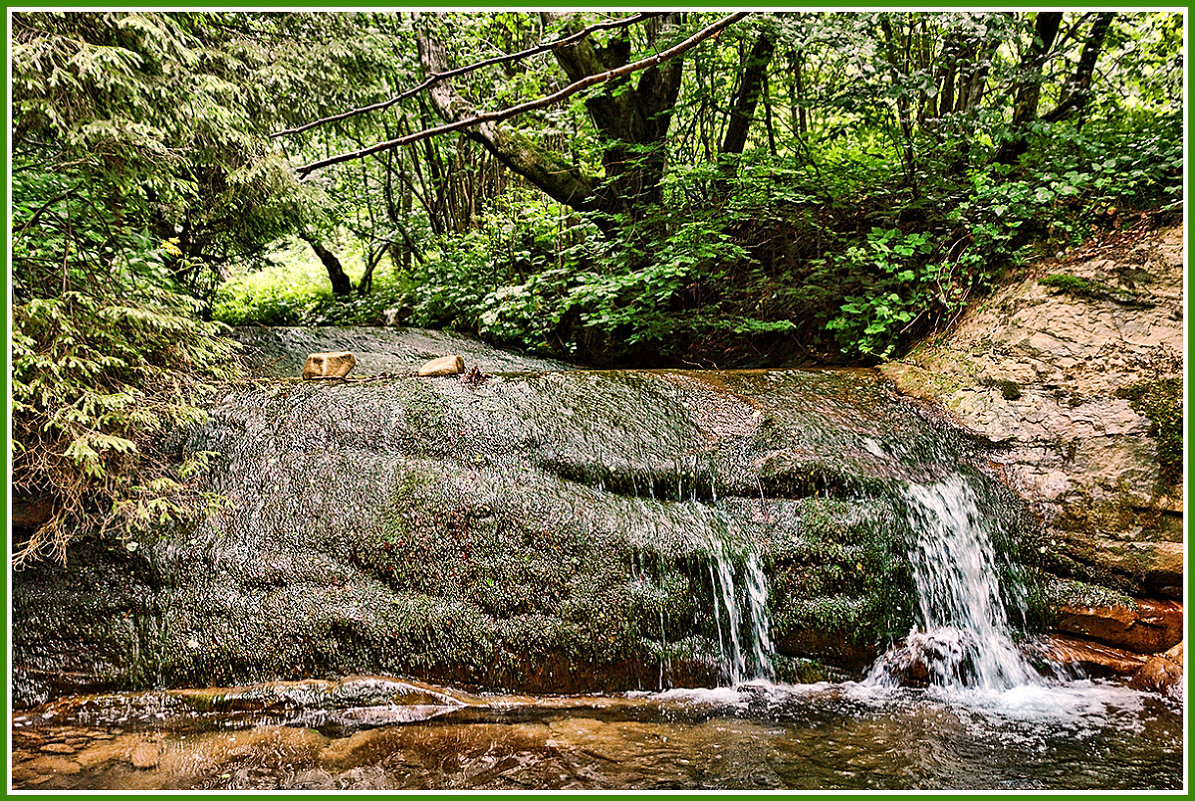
(548, 100)
(489, 62)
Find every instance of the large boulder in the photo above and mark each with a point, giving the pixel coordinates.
(569, 531)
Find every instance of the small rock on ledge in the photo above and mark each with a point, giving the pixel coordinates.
(329, 365)
(445, 365)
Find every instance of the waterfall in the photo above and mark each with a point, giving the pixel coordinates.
(743, 639)
(962, 637)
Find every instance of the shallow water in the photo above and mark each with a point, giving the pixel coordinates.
(374, 733)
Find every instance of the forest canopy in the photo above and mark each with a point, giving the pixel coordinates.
(621, 188)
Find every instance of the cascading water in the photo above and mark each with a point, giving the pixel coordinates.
(743, 640)
(962, 637)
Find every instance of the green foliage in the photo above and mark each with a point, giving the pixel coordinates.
(157, 118)
(283, 292)
(868, 207)
(908, 286)
(95, 382)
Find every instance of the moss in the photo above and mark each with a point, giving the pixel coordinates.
(1162, 402)
(1010, 389)
(1056, 591)
(1088, 289)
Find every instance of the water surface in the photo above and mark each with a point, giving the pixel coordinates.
(373, 733)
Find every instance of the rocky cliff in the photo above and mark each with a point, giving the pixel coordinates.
(1075, 374)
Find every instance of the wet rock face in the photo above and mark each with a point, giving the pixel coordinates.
(547, 531)
(1076, 373)
(1150, 628)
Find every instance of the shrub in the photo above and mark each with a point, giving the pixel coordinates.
(95, 381)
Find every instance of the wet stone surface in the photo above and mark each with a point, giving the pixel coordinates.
(562, 531)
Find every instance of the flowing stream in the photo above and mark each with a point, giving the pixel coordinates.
(373, 733)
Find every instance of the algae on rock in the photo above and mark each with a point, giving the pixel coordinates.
(544, 531)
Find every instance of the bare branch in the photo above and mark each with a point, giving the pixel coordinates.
(548, 100)
(432, 79)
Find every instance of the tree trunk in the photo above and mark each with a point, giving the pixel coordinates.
(551, 173)
(1078, 91)
(898, 66)
(373, 258)
(341, 285)
(1045, 30)
(754, 72)
(634, 116)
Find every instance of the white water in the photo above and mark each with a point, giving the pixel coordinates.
(961, 639)
(743, 640)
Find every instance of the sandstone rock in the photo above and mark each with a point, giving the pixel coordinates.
(21, 774)
(1151, 628)
(57, 748)
(49, 765)
(445, 365)
(1092, 658)
(146, 754)
(1143, 567)
(1043, 373)
(329, 365)
(101, 753)
(1161, 673)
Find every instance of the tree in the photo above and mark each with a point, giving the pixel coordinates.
(634, 118)
(141, 169)
(702, 218)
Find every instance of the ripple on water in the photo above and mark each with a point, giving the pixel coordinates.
(758, 735)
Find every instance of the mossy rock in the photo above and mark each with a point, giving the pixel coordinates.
(1162, 402)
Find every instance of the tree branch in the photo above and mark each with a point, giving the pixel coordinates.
(441, 76)
(548, 100)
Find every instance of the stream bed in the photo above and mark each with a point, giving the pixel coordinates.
(379, 733)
